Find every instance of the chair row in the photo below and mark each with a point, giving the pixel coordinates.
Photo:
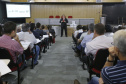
(59, 16)
(29, 54)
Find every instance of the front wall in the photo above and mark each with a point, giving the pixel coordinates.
(77, 11)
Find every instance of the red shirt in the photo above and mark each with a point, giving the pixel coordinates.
(13, 46)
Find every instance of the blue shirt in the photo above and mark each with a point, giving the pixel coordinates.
(86, 39)
(115, 74)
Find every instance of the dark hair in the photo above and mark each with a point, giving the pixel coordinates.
(42, 26)
(91, 27)
(25, 27)
(38, 25)
(9, 27)
(79, 27)
(32, 26)
(108, 28)
(84, 28)
(99, 28)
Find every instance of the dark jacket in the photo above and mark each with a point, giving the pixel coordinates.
(40, 32)
(63, 24)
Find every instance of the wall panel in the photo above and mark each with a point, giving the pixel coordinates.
(77, 11)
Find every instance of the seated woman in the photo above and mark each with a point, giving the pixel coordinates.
(45, 29)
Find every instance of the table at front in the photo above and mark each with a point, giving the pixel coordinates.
(70, 30)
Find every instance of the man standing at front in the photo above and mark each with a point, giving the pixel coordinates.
(63, 22)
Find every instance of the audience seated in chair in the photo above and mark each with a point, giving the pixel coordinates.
(83, 34)
(74, 35)
(86, 39)
(45, 29)
(32, 28)
(19, 28)
(108, 31)
(114, 74)
(99, 40)
(89, 36)
(27, 35)
(14, 46)
(38, 29)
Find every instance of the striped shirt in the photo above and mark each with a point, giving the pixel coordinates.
(115, 74)
(13, 46)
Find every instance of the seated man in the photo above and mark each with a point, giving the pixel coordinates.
(83, 34)
(114, 74)
(38, 26)
(99, 40)
(32, 28)
(86, 39)
(6, 41)
(27, 35)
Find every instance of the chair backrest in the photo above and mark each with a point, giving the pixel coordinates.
(57, 16)
(100, 60)
(51, 17)
(5, 54)
(70, 17)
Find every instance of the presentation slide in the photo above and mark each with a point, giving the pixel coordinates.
(18, 10)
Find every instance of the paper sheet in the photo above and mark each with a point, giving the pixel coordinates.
(4, 69)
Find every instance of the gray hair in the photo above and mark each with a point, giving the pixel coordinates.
(91, 27)
(120, 41)
(19, 28)
(25, 27)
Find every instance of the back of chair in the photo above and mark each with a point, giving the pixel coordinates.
(5, 54)
(100, 60)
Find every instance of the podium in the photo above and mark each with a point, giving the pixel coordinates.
(103, 20)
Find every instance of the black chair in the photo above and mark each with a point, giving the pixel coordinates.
(94, 65)
(30, 54)
(5, 54)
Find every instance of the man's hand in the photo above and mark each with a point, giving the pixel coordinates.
(112, 52)
(16, 38)
(101, 81)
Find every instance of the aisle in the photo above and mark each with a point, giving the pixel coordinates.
(57, 66)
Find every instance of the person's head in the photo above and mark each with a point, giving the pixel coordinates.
(63, 16)
(120, 42)
(25, 27)
(19, 28)
(79, 27)
(84, 28)
(10, 28)
(32, 26)
(108, 28)
(91, 27)
(38, 25)
(120, 27)
(49, 26)
(99, 29)
(45, 27)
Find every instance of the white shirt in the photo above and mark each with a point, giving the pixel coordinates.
(97, 43)
(83, 35)
(77, 31)
(109, 34)
(26, 36)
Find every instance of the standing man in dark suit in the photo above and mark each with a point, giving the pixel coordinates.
(63, 22)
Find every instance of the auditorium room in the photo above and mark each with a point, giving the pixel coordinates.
(62, 41)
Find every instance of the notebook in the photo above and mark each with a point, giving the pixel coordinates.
(4, 69)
